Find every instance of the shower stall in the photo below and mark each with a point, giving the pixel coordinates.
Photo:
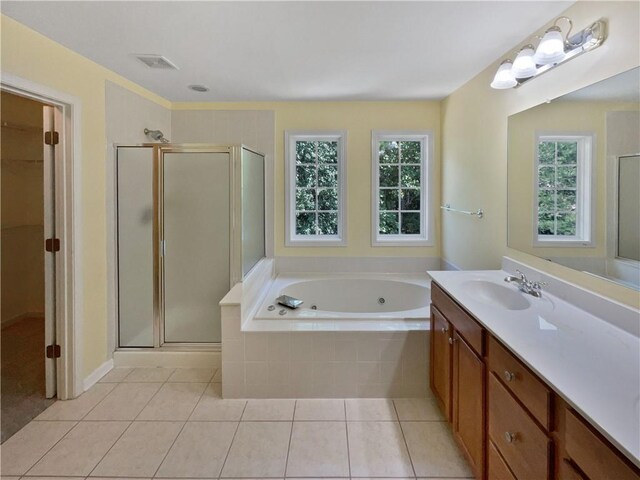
(190, 224)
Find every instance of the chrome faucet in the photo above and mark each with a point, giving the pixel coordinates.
(525, 285)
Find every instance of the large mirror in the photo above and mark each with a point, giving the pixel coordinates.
(574, 180)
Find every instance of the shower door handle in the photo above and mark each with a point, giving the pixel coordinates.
(163, 248)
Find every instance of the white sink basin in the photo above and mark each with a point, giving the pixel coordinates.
(494, 294)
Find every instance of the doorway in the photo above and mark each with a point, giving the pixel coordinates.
(27, 272)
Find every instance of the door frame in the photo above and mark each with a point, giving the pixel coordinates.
(69, 279)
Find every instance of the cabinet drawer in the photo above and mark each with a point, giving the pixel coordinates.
(525, 386)
(523, 444)
(567, 471)
(461, 320)
(594, 457)
(498, 470)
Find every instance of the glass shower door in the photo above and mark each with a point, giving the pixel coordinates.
(195, 248)
(136, 283)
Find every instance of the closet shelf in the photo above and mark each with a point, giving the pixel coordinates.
(15, 160)
(21, 128)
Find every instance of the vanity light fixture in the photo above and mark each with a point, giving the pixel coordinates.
(553, 50)
(504, 77)
(524, 65)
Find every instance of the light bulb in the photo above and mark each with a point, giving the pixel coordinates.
(504, 77)
(524, 66)
(551, 48)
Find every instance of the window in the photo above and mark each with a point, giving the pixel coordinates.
(563, 213)
(400, 176)
(315, 188)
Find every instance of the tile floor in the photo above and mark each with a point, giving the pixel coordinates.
(165, 423)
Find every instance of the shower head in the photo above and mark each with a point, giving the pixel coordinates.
(156, 135)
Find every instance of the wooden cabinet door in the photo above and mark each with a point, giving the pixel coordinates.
(469, 403)
(441, 361)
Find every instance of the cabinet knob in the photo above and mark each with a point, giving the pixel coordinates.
(509, 376)
(510, 437)
(450, 341)
(445, 329)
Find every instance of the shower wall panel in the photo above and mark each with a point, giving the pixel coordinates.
(253, 235)
(135, 247)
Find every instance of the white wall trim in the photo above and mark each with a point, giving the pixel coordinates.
(586, 190)
(291, 239)
(69, 223)
(95, 376)
(427, 207)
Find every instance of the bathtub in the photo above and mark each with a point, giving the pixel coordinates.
(335, 302)
(351, 344)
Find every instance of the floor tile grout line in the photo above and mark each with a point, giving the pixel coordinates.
(110, 448)
(153, 396)
(181, 429)
(126, 429)
(101, 400)
(346, 427)
(233, 439)
(48, 450)
(406, 444)
(184, 424)
(286, 463)
(198, 401)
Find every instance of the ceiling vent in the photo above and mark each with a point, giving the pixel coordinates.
(157, 61)
(198, 88)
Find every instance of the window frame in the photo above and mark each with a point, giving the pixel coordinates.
(585, 191)
(427, 231)
(291, 238)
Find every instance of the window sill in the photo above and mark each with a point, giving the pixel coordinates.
(402, 242)
(573, 243)
(316, 242)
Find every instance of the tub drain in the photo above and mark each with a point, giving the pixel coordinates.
(314, 307)
(381, 301)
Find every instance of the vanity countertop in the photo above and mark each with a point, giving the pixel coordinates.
(592, 364)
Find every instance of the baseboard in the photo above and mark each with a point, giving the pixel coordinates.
(171, 359)
(96, 375)
(10, 321)
(447, 265)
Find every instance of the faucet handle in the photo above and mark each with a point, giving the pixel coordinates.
(538, 285)
(523, 277)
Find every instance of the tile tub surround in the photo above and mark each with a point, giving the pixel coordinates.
(315, 364)
(321, 364)
(304, 438)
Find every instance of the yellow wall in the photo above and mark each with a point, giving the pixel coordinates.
(358, 118)
(563, 118)
(32, 56)
(474, 143)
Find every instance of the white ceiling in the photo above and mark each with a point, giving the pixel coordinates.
(292, 50)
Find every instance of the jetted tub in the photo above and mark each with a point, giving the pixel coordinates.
(366, 302)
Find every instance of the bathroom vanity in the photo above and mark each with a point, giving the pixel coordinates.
(534, 388)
